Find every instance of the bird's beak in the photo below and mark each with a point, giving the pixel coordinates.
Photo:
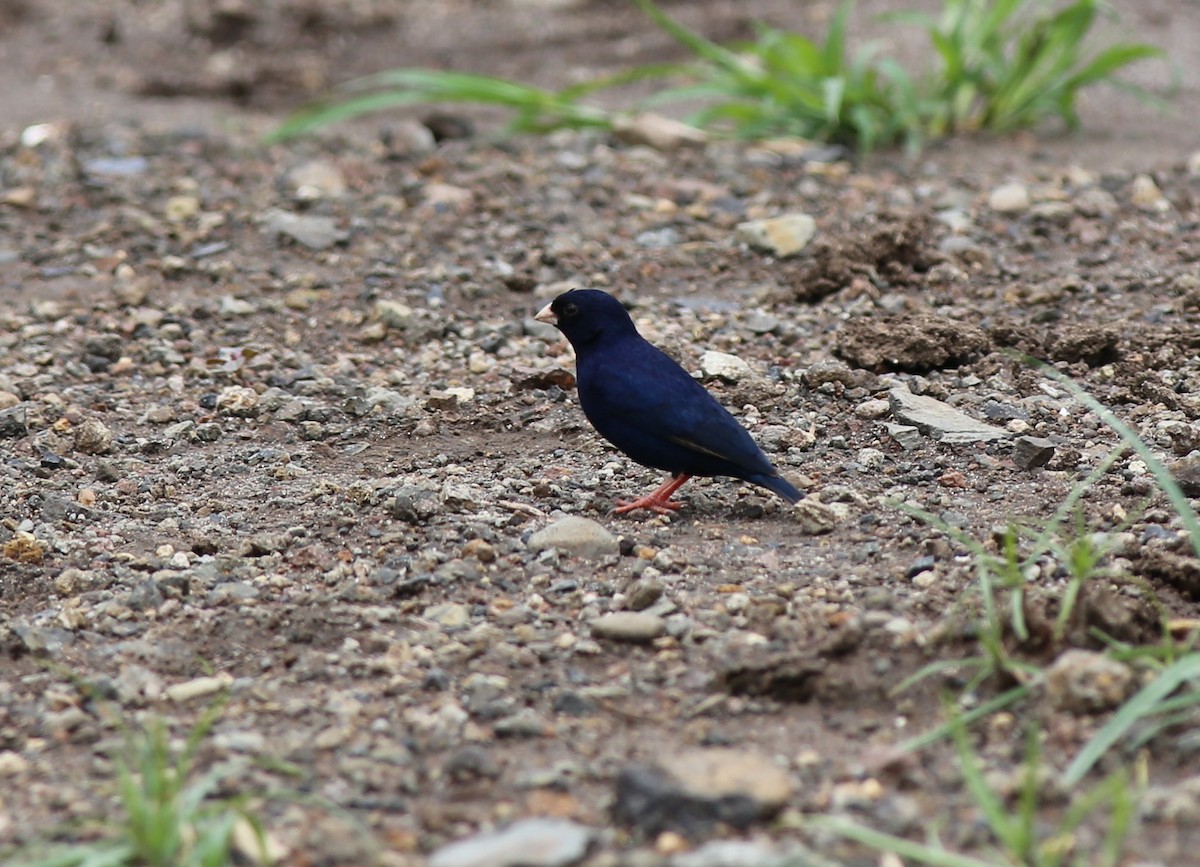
(546, 315)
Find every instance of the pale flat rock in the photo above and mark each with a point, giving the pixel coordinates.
(722, 365)
(939, 420)
(781, 236)
(527, 843)
(579, 537)
(632, 626)
(656, 131)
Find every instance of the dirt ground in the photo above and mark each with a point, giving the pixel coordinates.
(277, 421)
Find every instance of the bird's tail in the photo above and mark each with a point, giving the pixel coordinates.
(779, 485)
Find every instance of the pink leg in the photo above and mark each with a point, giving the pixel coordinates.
(659, 501)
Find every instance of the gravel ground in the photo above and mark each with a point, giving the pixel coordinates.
(278, 422)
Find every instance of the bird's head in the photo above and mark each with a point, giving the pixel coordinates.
(587, 315)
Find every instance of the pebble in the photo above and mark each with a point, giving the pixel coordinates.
(198, 688)
(238, 400)
(780, 236)
(636, 627)
(450, 615)
(939, 420)
(316, 179)
(12, 423)
(310, 230)
(1145, 194)
(1009, 198)
(1186, 473)
(92, 437)
(577, 537)
(815, 518)
(723, 366)
(656, 131)
(692, 791)
(1083, 681)
(1030, 452)
(393, 314)
(538, 842)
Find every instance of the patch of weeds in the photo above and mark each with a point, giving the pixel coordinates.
(998, 66)
(171, 814)
(1004, 572)
(1021, 831)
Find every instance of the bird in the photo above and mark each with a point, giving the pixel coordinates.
(640, 400)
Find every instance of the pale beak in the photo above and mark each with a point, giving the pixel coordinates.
(546, 315)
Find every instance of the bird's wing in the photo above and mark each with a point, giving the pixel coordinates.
(642, 388)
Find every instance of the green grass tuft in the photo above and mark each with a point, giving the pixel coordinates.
(999, 66)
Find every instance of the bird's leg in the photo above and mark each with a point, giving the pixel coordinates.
(659, 500)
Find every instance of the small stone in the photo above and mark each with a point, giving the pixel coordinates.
(310, 230)
(180, 209)
(905, 435)
(636, 627)
(525, 723)
(316, 179)
(939, 420)
(447, 197)
(1145, 194)
(24, 548)
(393, 314)
(538, 842)
(482, 551)
(1031, 452)
(231, 593)
(723, 366)
(12, 764)
(238, 400)
(1083, 681)
(1009, 198)
(643, 593)
(449, 615)
(12, 423)
(93, 438)
(198, 688)
(814, 517)
(780, 236)
(1186, 473)
(691, 792)
(658, 132)
(578, 537)
(1096, 202)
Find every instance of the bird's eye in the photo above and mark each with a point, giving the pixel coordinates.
(570, 309)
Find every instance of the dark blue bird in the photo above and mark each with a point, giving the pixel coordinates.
(648, 406)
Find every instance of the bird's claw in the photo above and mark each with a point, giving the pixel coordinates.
(654, 504)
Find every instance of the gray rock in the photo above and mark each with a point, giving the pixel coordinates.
(1031, 452)
(643, 593)
(734, 853)
(907, 436)
(692, 791)
(314, 232)
(579, 537)
(527, 843)
(1186, 473)
(12, 423)
(632, 626)
(939, 420)
(92, 437)
(231, 592)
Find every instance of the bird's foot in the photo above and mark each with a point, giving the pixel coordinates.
(661, 505)
(659, 500)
